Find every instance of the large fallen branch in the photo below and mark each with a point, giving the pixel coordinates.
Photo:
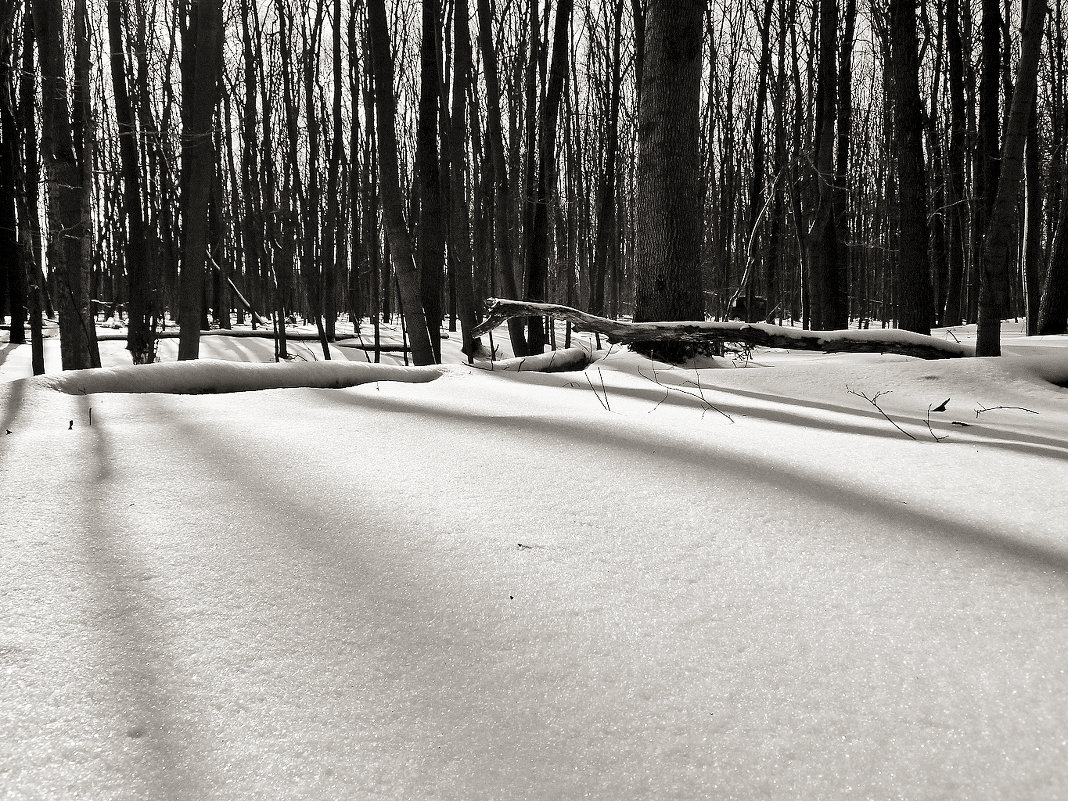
(885, 340)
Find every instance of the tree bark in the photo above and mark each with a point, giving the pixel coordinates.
(668, 248)
(639, 334)
(389, 178)
(140, 338)
(606, 207)
(63, 176)
(199, 167)
(538, 253)
(430, 209)
(956, 199)
(999, 243)
(502, 193)
(460, 262)
(914, 291)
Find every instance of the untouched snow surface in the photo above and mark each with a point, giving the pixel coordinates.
(609, 584)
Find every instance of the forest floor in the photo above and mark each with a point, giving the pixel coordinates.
(611, 584)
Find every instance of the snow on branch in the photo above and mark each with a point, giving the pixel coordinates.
(905, 343)
(206, 376)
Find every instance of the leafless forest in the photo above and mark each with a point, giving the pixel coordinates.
(822, 163)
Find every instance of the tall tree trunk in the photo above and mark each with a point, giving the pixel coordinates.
(66, 220)
(538, 255)
(824, 304)
(988, 152)
(606, 207)
(430, 213)
(1032, 237)
(12, 270)
(199, 168)
(334, 236)
(839, 279)
(28, 197)
(999, 243)
(140, 339)
(460, 262)
(502, 193)
(915, 298)
(389, 179)
(956, 195)
(667, 272)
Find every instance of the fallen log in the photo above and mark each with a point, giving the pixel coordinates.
(884, 340)
(553, 361)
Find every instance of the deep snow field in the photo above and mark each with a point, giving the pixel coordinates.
(612, 584)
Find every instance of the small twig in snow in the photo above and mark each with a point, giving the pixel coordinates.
(929, 428)
(700, 397)
(982, 409)
(604, 401)
(874, 401)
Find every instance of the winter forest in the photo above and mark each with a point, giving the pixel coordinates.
(843, 169)
(533, 399)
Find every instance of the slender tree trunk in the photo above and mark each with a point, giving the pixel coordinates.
(956, 199)
(460, 263)
(389, 179)
(999, 243)
(606, 207)
(140, 340)
(12, 270)
(538, 256)
(988, 152)
(334, 237)
(502, 193)
(199, 168)
(1032, 237)
(824, 308)
(28, 197)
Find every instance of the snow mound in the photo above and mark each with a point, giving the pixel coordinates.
(209, 376)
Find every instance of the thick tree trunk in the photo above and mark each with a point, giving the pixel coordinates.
(430, 213)
(667, 259)
(999, 245)
(199, 167)
(914, 292)
(389, 179)
(63, 175)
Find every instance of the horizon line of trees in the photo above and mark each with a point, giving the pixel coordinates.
(822, 162)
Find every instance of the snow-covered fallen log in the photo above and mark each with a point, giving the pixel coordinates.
(207, 376)
(887, 340)
(555, 361)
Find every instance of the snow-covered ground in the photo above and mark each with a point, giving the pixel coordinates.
(611, 584)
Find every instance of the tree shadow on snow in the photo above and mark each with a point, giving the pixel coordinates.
(703, 457)
(140, 701)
